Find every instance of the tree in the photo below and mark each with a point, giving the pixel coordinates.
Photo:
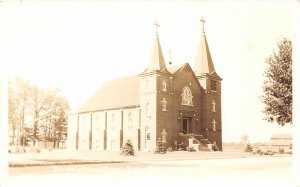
(27, 136)
(127, 149)
(35, 113)
(37, 99)
(13, 115)
(18, 94)
(160, 148)
(245, 140)
(277, 87)
(59, 117)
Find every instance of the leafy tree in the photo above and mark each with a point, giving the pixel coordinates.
(61, 106)
(27, 136)
(277, 86)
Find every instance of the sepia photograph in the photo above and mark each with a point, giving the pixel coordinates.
(144, 93)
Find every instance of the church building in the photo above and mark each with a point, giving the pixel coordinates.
(173, 104)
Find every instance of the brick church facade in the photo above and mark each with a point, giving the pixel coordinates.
(173, 103)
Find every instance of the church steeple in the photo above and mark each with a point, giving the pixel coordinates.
(203, 62)
(156, 61)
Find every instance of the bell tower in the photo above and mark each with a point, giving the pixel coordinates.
(155, 98)
(211, 121)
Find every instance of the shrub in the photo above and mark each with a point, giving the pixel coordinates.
(281, 150)
(181, 147)
(248, 148)
(266, 153)
(190, 149)
(127, 149)
(215, 147)
(257, 151)
(160, 148)
(270, 152)
(170, 149)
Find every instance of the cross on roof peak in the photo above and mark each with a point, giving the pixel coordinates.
(156, 26)
(203, 22)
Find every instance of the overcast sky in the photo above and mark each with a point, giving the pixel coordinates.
(76, 46)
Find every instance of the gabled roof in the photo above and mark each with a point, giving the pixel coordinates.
(118, 93)
(175, 68)
(121, 93)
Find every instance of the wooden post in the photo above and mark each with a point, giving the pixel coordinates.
(3, 127)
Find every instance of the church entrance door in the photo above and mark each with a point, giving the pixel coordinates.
(185, 125)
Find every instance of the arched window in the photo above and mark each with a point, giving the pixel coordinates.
(187, 97)
(129, 117)
(113, 120)
(130, 124)
(146, 84)
(147, 133)
(97, 122)
(147, 109)
(213, 85)
(164, 104)
(83, 123)
(164, 85)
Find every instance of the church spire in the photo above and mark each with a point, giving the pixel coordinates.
(203, 62)
(156, 61)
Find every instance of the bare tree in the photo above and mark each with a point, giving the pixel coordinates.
(17, 107)
(245, 140)
(37, 114)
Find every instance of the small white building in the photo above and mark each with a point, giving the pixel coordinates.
(279, 141)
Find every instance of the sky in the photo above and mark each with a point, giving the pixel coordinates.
(77, 45)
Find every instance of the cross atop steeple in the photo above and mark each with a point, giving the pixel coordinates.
(203, 61)
(156, 62)
(203, 22)
(156, 27)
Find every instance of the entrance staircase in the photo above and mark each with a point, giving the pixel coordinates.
(198, 141)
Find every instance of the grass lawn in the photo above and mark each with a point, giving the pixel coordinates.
(62, 156)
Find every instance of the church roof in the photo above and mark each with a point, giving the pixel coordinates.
(118, 93)
(173, 69)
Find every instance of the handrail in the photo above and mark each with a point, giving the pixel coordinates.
(202, 137)
(194, 135)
